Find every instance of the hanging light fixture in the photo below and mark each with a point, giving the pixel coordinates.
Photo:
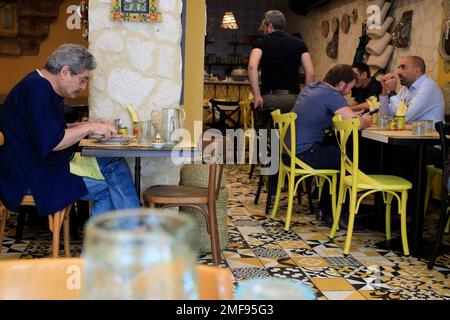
(229, 21)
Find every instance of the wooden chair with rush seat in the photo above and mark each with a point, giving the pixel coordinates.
(355, 181)
(193, 197)
(56, 221)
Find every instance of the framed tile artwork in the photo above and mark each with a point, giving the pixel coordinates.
(135, 10)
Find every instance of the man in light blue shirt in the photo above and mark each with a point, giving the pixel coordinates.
(422, 95)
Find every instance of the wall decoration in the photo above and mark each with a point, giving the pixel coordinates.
(345, 23)
(135, 10)
(9, 26)
(334, 25)
(333, 43)
(82, 11)
(444, 47)
(325, 28)
(402, 30)
(354, 15)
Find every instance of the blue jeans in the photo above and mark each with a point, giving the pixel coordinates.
(116, 192)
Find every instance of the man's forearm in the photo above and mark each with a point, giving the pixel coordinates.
(359, 107)
(73, 135)
(253, 77)
(309, 78)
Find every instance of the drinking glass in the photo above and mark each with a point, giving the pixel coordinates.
(140, 254)
(429, 126)
(418, 128)
(143, 132)
(383, 123)
(400, 122)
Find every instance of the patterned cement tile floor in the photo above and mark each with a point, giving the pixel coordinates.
(260, 248)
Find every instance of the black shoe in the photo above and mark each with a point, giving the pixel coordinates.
(320, 215)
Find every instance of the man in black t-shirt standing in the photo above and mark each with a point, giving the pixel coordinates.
(364, 88)
(280, 55)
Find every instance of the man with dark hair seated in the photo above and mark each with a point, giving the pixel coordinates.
(315, 107)
(39, 144)
(365, 87)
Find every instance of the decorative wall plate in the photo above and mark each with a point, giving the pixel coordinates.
(334, 25)
(325, 28)
(354, 15)
(345, 23)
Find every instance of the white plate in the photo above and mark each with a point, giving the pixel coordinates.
(116, 140)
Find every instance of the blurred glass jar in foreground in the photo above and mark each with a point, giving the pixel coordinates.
(140, 254)
(273, 289)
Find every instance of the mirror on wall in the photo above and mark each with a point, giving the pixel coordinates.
(444, 46)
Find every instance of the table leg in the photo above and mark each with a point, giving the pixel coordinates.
(137, 175)
(417, 214)
(380, 216)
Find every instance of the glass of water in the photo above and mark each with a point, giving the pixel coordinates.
(140, 254)
(418, 128)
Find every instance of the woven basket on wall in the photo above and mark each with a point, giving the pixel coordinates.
(196, 175)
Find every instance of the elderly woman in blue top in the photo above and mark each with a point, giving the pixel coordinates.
(420, 93)
(39, 144)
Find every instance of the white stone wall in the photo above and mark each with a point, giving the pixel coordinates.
(424, 40)
(138, 63)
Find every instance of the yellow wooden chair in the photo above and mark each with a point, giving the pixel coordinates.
(354, 181)
(296, 167)
(61, 279)
(249, 126)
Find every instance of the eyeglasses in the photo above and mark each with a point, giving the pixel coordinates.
(81, 80)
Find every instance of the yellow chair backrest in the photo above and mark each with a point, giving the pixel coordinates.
(247, 112)
(51, 279)
(2, 139)
(344, 130)
(286, 122)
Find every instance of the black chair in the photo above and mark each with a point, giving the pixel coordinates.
(444, 130)
(229, 114)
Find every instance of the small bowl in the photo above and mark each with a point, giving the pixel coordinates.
(157, 145)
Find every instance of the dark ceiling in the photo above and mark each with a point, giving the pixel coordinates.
(298, 6)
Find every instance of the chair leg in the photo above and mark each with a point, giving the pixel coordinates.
(320, 183)
(388, 215)
(351, 222)
(337, 216)
(308, 191)
(281, 176)
(272, 180)
(333, 197)
(55, 227)
(444, 219)
(214, 233)
(260, 185)
(3, 215)
(291, 183)
(428, 187)
(66, 231)
(404, 233)
(252, 169)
